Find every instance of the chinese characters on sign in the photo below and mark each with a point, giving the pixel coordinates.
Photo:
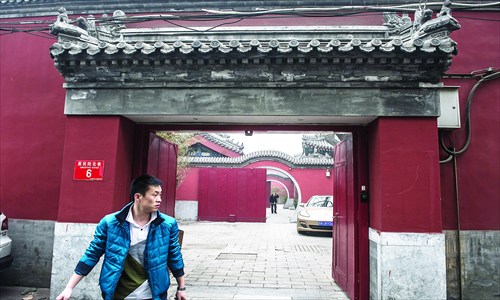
(89, 170)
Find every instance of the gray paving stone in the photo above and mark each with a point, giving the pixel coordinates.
(258, 261)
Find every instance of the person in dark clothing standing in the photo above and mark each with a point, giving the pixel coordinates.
(273, 199)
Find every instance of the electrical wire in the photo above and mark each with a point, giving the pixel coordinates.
(206, 30)
(486, 75)
(216, 15)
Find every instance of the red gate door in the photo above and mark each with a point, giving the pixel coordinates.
(343, 269)
(162, 163)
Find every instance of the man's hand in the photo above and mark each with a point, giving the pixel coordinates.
(65, 295)
(180, 295)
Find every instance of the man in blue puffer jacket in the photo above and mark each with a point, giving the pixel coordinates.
(139, 244)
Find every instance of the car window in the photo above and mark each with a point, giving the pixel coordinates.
(320, 201)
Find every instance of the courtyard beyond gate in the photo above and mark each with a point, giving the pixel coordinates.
(257, 261)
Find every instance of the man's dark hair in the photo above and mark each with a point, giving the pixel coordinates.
(141, 185)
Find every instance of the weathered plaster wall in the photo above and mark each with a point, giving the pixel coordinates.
(186, 210)
(407, 266)
(70, 242)
(452, 266)
(32, 248)
(473, 268)
(251, 101)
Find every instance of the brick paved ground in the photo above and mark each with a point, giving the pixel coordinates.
(248, 261)
(257, 261)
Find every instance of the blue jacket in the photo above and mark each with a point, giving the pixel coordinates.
(112, 238)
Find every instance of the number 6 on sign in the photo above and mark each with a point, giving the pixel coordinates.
(89, 170)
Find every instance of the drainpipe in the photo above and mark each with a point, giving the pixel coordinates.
(459, 248)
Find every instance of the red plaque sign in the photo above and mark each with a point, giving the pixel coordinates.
(89, 170)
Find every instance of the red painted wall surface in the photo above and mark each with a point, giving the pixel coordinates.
(31, 128)
(233, 195)
(478, 168)
(32, 122)
(310, 181)
(100, 138)
(283, 182)
(188, 189)
(404, 175)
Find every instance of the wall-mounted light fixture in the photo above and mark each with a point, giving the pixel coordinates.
(328, 172)
(248, 132)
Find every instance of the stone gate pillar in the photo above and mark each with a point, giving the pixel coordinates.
(407, 246)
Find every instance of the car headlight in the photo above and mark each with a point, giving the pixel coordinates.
(304, 213)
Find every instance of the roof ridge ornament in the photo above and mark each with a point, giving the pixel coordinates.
(400, 40)
(435, 32)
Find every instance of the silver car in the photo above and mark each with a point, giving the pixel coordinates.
(5, 243)
(316, 215)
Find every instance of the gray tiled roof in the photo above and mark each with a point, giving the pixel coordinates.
(316, 141)
(223, 140)
(299, 162)
(177, 46)
(421, 49)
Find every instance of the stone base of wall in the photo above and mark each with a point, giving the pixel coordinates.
(478, 271)
(407, 265)
(70, 242)
(186, 210)
(32, 247)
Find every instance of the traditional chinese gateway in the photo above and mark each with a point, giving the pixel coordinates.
(111, 74)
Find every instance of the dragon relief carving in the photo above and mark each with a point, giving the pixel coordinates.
(423, 27)
(85, 29)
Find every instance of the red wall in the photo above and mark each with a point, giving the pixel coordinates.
(478, 168)
(96, 138)
(188, 189)
(310, 181)
(281, 184)
(32, 123)
(234, 195)
(404, 175)
(32, 127)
